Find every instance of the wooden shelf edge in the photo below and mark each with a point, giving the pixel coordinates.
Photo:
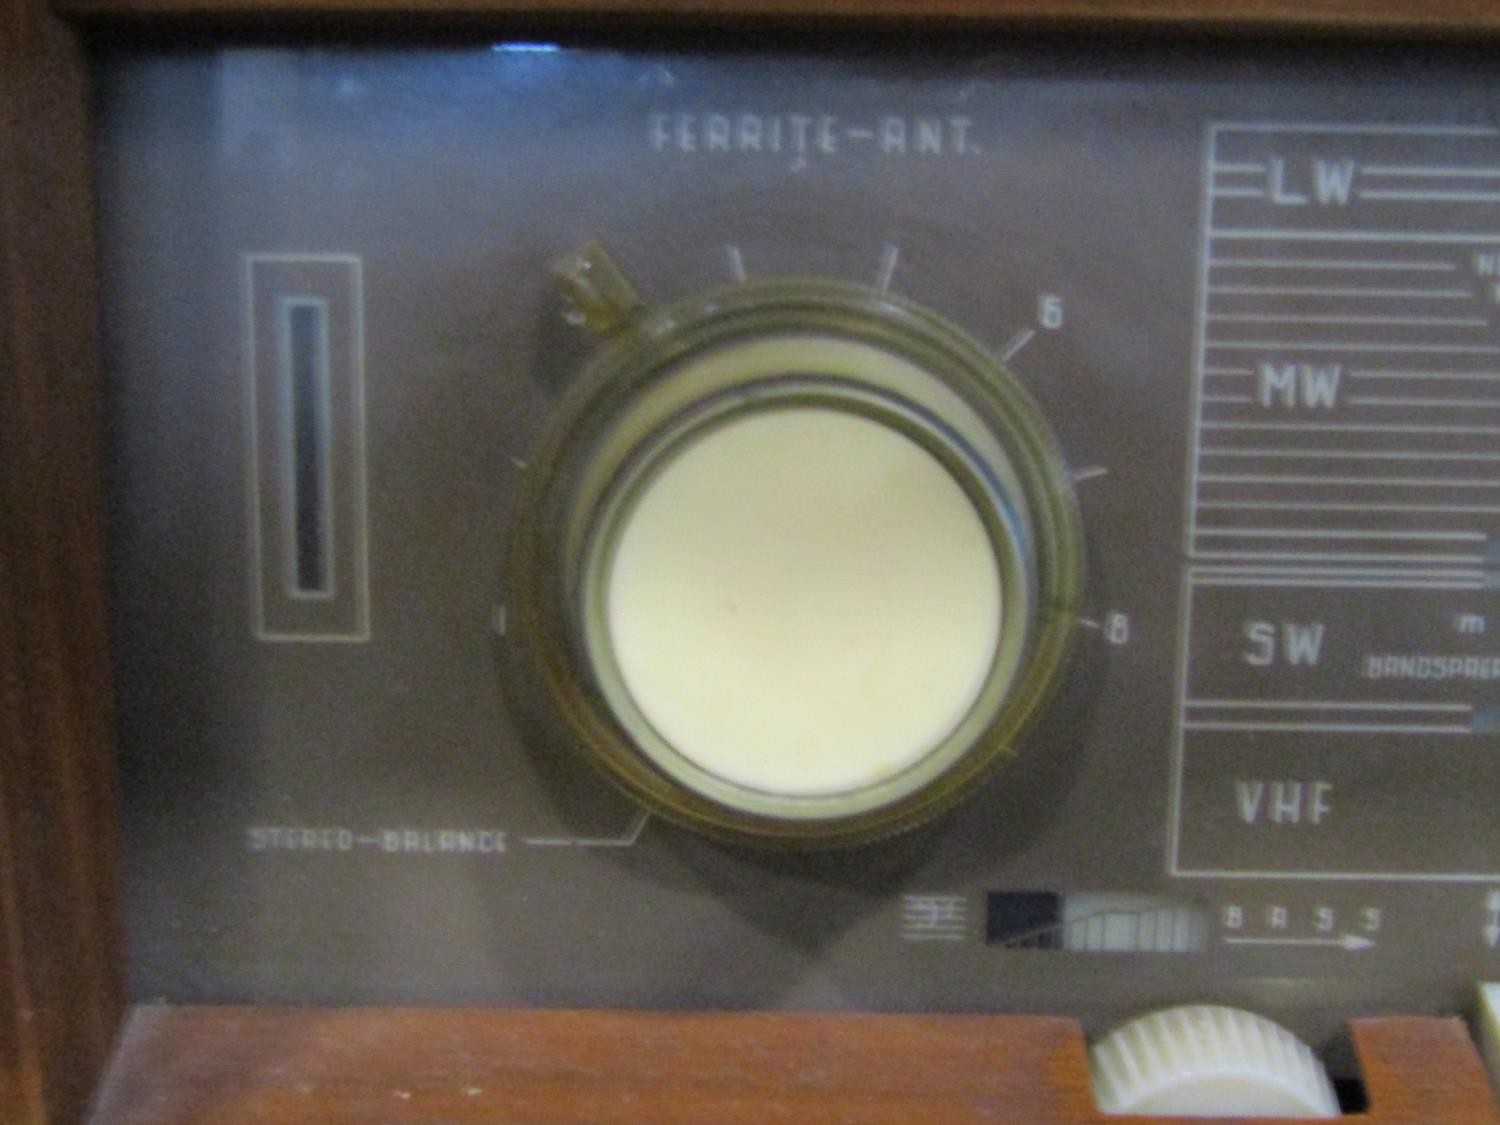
(1434, 18)
(226, 1065)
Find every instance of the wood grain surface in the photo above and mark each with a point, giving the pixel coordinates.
(1446, 18)
(59, 948)
(216, 1066)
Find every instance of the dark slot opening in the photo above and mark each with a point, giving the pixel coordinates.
(1024, 920)
(307, 358)
(1352, 1096)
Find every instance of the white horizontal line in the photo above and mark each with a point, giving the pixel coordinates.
(1331, 573)
(1392, 196)
(1428, 171)
(1324, 573)
(632, 834)
(1300, 346)
(1354, 482)
(1323, 876)
(1239, 193)
(1353, 130)
(1227, 371)
(1349, 583)
(1331, 264)
(1386, 321)
(1333, 728)
(1234, 399)
(1341, 556)
(1338, 533)
(1296, 506)
(1352, 454)
(1344, 942)
(1460, 403)
(1472, 376)
(1349, 427)
(1238, 168)
(257, 257)
(1322, 291)
(1242, 234)
(1327, 705)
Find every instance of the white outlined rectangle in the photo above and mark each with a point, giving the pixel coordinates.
(1435, 718)
(1338, 254)
(303, 326)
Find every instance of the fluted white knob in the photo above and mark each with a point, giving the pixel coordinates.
(1209, 1061)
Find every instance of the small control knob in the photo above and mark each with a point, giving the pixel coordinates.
(1209, 1061)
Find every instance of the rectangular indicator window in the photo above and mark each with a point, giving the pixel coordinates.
(304, 348)
(1095, 922)
(304, 361)
(1024, 920)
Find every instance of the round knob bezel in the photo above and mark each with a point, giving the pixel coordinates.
(674, 373)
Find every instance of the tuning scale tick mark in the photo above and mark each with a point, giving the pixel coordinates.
(889, 257)
(737, 264)
(1016, 344)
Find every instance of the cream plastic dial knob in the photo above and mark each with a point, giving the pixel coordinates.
(1209, 1061)
(796, 562)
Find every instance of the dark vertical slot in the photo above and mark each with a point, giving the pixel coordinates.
(307, 361)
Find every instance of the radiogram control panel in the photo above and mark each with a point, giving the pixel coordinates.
(1012, 527)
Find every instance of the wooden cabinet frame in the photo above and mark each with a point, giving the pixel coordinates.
(63, 1022)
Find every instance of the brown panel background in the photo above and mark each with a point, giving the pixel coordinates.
(60, 948)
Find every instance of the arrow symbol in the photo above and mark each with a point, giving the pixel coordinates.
(1351, 942)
